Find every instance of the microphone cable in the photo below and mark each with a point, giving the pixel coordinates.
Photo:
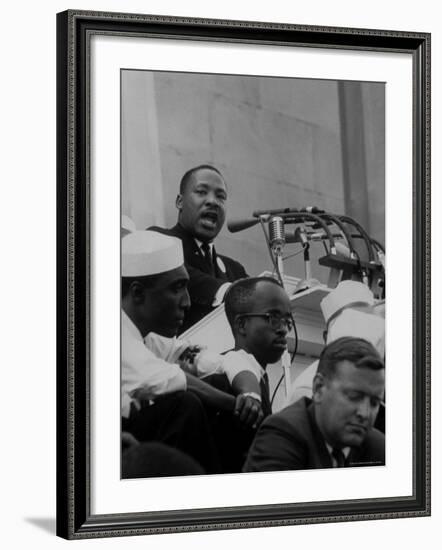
(295, 330)
(292, 357)
(295, 253)
(363, 233)
(344, 231)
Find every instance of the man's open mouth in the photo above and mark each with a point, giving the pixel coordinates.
(209, 219)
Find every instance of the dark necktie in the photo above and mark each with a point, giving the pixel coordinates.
(338, 455)
(207, 254)
(265, 395)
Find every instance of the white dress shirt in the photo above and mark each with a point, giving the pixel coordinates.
(345, 451)
(150, 369)
(146, 374)
(237, 361)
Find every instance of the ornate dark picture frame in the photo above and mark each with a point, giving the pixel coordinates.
(74, 32)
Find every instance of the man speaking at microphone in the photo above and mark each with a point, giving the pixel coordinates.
(201, 214)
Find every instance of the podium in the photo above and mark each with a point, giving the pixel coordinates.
(214, 332)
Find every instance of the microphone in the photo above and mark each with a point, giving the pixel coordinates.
(276, 234)
(299, 235)
(265, 215)
(239, 225)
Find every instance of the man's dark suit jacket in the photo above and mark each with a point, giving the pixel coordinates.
(203, 286)
(291, 440)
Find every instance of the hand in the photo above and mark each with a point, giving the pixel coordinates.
(187, 359)
(194, 350)
(186, 364)
(248, 410)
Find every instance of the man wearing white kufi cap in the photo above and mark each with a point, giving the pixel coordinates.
(348, 311)
(155, 403)
(154, 297)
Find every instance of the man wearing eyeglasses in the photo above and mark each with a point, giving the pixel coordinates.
(259, 313)
(163, 398)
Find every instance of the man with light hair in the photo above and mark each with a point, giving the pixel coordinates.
(161, 399)
(335, 428)
(348, 310)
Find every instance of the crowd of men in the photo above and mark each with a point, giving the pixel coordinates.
(187, 410)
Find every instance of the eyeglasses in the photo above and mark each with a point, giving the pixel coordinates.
(275, 321)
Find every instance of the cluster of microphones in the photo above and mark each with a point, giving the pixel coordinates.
(304, 225)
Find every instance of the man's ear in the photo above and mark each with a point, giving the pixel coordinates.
(318, 387)
(179, 201)
(240, 325)
(137, 291)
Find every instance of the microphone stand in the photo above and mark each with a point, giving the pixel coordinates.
(276, 253)
(285, 358)
(300, 236)
(307, 264)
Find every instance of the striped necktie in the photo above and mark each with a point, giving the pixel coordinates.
(265, 395)
(208, 260)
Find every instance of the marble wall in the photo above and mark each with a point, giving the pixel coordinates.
(278, 142)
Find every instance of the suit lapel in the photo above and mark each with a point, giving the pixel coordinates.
(191, 250)
(192, 253)
(322, 452)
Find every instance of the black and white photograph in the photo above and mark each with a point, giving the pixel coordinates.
(221, 268)
(253, 280)
(243, 274)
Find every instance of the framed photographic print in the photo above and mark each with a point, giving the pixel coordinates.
(252, 153)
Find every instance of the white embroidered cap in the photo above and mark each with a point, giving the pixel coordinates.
(150, 253)
(358, 324)
(344, 295)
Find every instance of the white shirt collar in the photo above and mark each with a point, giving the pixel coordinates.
(345, 450)
(200, 244)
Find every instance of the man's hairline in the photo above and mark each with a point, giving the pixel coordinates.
(195, 172)
(255, 289)
(333, 371)
(143, 279)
